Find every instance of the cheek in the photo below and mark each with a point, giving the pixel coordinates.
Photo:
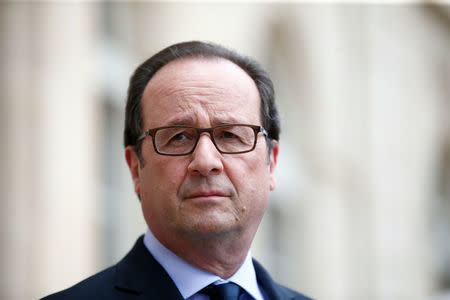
(250, 177)
(253, 188)
(166, 176)
(160, 183)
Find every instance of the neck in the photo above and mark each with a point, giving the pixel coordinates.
(221, 255)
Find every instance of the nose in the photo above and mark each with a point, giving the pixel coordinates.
(206, 159)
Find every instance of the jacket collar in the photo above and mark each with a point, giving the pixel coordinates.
(139, 273)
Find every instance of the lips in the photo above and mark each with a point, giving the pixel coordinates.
(206, 194)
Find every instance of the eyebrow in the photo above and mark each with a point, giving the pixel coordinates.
(227, 120)
(190, 121)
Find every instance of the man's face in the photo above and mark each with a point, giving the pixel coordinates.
(206, 193)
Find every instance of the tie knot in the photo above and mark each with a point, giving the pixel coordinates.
(227, 291)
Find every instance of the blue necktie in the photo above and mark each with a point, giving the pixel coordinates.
(227, 291)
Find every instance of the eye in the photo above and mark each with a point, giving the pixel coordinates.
(179, 137)
(228, 135)
(182, 136)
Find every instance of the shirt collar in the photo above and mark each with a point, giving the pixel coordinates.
(190, 279)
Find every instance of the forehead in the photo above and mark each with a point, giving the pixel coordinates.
(200, 90)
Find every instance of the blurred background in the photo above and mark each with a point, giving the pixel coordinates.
(362, 208)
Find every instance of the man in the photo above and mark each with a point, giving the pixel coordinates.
(201, 142)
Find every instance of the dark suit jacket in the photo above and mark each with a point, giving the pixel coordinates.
(139, 276)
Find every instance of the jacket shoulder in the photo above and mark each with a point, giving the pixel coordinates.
(290, 294)
(98, 286)
(273, 289)
(138, 274)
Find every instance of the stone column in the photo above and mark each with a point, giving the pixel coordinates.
(50, 132)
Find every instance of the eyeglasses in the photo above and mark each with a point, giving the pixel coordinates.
(181, 140)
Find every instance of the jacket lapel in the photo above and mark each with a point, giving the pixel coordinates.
(139, 273)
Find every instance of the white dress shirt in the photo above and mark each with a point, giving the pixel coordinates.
(190, 279)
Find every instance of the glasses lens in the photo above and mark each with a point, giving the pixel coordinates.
(234, 138)
(175, 140)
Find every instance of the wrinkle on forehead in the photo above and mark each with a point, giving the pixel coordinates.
(197, 89)
(192, 112)
(200, 91)
(175, 78)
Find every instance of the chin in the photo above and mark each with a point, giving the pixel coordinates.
(213, 228)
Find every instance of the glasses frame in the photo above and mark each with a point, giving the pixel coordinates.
(152, 132)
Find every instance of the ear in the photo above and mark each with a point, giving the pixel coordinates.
(134, 166)
(273, 164)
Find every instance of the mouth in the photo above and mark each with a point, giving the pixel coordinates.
(207, 195)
